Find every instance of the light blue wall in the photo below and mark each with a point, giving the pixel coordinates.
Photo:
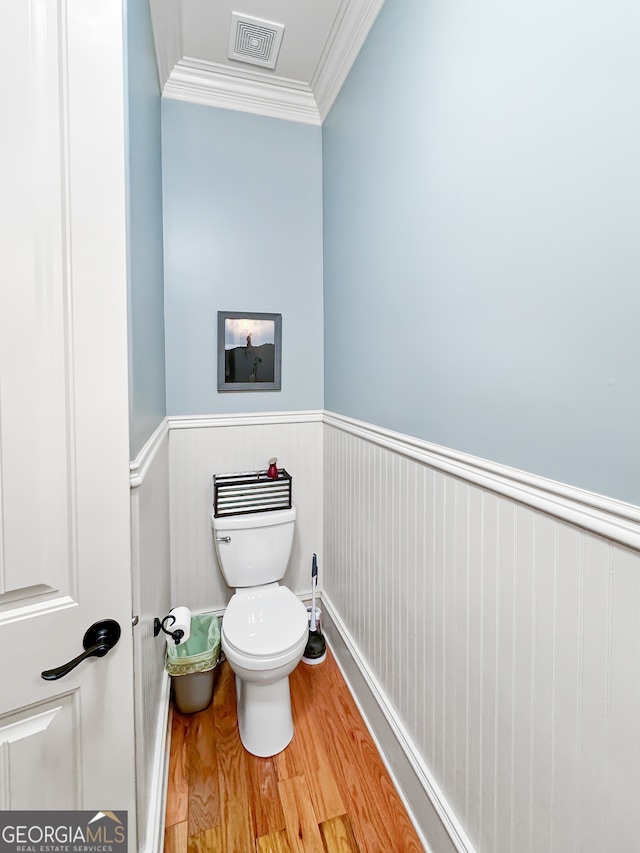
(243, 232)
(144, 221)
(481, 228)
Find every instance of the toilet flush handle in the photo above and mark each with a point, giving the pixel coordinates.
(223, 539)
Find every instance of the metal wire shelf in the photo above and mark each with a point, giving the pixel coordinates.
(250, 491)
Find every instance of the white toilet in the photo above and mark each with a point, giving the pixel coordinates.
(265, 627)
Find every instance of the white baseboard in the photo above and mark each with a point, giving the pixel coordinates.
(160, 774)
(434, 819)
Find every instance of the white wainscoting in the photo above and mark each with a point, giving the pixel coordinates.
(497, 615)
(151, 579)
(202, 447)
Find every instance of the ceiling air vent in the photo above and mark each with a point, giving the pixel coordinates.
(255, 41)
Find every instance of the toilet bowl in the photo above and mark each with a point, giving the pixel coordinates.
(264, 633)
(264, 628)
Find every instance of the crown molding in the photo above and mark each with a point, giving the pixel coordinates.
(187, 79)
(166, 23)
(217, 89)
(348, 34)
(233, 73)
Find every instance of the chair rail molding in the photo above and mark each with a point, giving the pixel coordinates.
(140, 466)
(605, 516)
(245, 419)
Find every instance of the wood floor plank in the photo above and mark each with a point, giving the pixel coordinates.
(269, 805)
(289, 761)
(275, 842)
(369, 817)
(262, 777)
(202, 772)
(337, 835)
(206, 842)
(176, 837)
(178, 787)
(236, 811)
(378, 817)
(317, 769)
(302, 823)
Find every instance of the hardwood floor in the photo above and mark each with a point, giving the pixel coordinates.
(327, 792)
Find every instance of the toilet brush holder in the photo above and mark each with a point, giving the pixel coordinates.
(318, 618)
(316, 649)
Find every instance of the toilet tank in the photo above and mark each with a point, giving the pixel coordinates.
(254, 549)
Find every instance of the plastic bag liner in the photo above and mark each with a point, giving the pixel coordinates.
(201, 651)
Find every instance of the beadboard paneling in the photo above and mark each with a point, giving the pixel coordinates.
(200, 448)
(506, 641)
(151, 580)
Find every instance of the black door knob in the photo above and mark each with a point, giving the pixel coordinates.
(100, 638)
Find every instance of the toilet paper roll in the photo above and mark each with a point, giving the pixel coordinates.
(181, 622)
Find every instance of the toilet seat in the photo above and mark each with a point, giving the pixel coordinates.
(265, 624)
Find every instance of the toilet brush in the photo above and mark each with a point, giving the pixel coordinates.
(316, 649)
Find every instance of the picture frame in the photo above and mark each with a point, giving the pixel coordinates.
(249, 351)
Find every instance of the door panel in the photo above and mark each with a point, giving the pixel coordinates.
(44, 736)
(36, 560)
(64, 455)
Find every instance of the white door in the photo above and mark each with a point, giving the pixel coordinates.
(64, 485)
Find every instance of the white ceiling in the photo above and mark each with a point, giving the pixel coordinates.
(321, 41)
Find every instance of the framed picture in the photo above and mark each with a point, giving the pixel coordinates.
(249, 351)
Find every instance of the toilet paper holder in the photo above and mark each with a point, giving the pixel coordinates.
(158, 625)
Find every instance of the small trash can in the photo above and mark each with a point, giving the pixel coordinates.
(192, 665)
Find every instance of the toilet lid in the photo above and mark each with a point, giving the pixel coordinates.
(264, 622)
